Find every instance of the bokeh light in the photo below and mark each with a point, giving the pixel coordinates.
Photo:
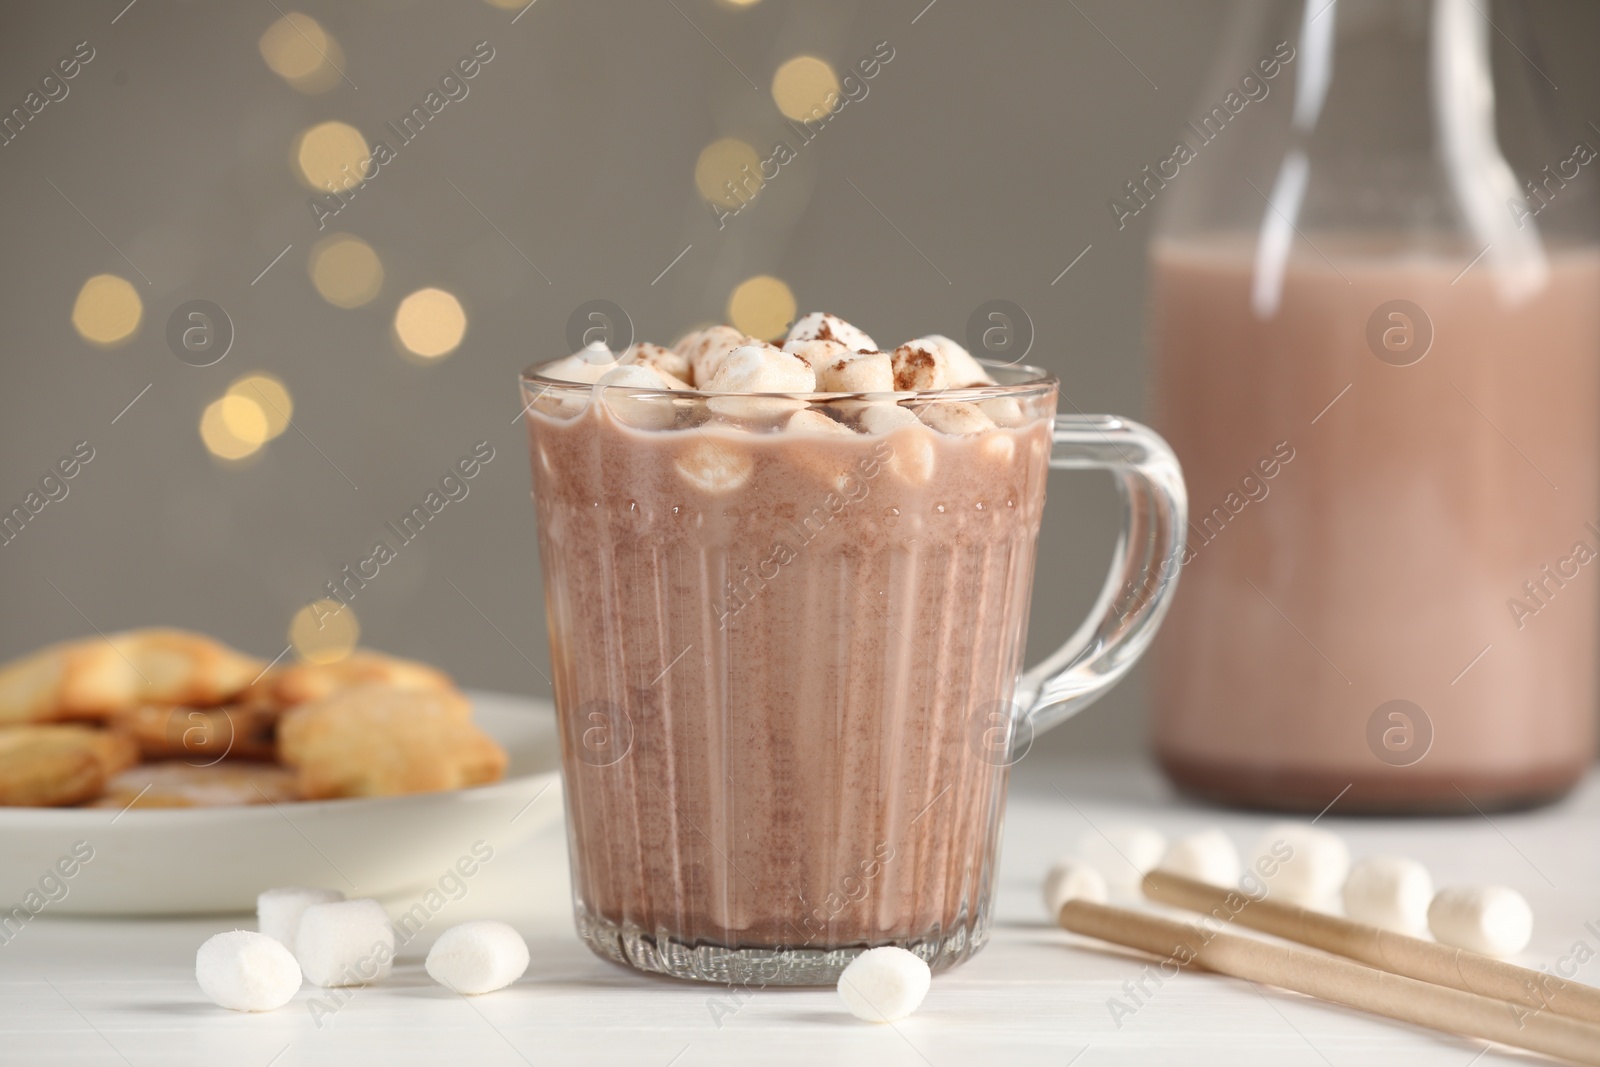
(761, 306)
(430, 323)
(108, 310)
(345, 270)
(724, 161)
(324, 631)
(801, 87)
(331, 153)
(233, 427)
(302, 53)
(509, 5)
(271, 396)
(739, 3)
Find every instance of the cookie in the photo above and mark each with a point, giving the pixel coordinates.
(379, 740)
(53, 766)
(175, 784)
(302, 682)
(201, 735)
(96, 677)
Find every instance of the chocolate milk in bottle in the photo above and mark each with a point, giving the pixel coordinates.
(1376, 334)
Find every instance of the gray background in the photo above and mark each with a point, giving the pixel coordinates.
(992, 141)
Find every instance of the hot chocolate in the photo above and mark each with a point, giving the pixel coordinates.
(781, 631)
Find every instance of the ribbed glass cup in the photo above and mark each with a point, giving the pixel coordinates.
(784, 664)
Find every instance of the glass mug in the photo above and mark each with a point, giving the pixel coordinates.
(786, 664)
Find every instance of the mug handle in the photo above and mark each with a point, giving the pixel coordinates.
(1143, 576)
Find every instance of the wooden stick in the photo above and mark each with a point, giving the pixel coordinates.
(1335, 979)
(1427, 961)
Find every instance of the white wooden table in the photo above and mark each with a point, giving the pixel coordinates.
(86, 991)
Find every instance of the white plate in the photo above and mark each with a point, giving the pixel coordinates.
(175, 861)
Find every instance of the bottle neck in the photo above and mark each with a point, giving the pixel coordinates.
(1412, 122)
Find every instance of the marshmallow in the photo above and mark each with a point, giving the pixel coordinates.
(579, 368)
(715, 466)
(1389, 891)
(998, 447)
(912, 456)
(856, 372)
(1302, 864)
(760, 368)
(886, 418)
(884, 984)
(278, 911)
(956, 417)
(246, 971)
(558, 407)
(1124, 854)
(1208, 856)
(349, 942)
(821, 326)
(1004, 410)
(634, 376)
(645, 412)
(1492, 920)
(963, 370)
(920, 366)
(705, 350)
(841, 370)
(815, 353)
(478, 957)
(665, 360)
(808, 420)
(1072, 879)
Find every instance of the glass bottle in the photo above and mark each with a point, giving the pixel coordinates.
(1376, 312)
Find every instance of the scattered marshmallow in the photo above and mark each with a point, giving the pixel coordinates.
(278, 911)
(706, 349)
(919, 365)
(956, 417)
(246, 971)
(884, 984)
(1389, 891)
(349, 942)
(1123, 854)
(478, 957)
(657, 358)
(821, 326)
(1208, 856)
(1302, 864)
(1072, 879)
(963, 370)
(808, 420)
(1493, 920)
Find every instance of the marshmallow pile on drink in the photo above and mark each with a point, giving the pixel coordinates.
(821, 354)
